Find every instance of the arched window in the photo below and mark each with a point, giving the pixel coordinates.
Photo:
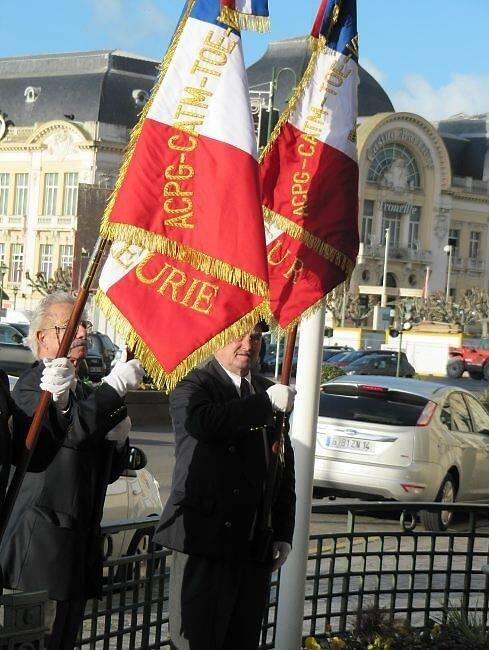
(394, 166)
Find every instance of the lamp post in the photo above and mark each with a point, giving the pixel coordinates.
(3, 271)
(449, 251)
(273, 89)
(383, 302)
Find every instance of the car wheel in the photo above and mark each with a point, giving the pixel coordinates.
(455, 369)
(140, 545)
(476, 375)
(439, 521)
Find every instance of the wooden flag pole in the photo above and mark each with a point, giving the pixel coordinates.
(45, 398)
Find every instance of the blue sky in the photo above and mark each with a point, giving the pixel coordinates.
(430, 55)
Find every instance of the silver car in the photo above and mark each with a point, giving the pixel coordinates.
(402, 439)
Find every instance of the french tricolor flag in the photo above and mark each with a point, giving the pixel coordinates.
(309, 173)
(246, 14)
(189, 255)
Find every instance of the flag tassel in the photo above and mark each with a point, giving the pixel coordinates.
(239, 20)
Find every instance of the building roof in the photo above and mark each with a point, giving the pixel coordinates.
(294, 53)
(90, 86)
(467, 140)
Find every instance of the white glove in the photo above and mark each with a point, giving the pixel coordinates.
(120, 432)
(125, 376)
(280, 552)
(58, 377)
(281, 397)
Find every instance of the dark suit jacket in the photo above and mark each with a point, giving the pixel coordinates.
(220, 467)
(52, 540)
(7, 408)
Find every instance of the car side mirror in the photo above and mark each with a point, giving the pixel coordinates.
(137, 459)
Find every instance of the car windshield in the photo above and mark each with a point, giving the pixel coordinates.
(348, 357)
(95, 345)
(387, 407)
(22, 327)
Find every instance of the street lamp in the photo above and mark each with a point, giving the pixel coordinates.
(448, 250)
(273, 89)
(3, 271)
(383, 301)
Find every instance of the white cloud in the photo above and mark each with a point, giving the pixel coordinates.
(465, 93)
(128, 23)
(370, 67)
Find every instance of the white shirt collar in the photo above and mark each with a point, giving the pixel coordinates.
(236, 379)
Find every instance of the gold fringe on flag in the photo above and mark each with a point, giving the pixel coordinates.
(167, 381)
(239, 20)
(324, 249)
(154, 243)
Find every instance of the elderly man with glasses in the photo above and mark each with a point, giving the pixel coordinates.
(52, 542)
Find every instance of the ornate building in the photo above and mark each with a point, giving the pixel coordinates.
(64, 120)
(428, 183)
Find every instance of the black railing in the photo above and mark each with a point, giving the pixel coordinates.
(377, 556)
(413, 574)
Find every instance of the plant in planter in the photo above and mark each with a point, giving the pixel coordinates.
(329, 371)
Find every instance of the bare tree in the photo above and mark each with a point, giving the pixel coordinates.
(60, 281)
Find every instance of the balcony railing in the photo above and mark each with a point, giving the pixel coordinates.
(403, 253)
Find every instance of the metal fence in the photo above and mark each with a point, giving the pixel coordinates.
(413, 574)
(372, 559)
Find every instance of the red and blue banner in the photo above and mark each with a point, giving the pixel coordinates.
(309, 173)
(188, 270)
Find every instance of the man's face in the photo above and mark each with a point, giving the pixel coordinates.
(241, 355)
(54, 327)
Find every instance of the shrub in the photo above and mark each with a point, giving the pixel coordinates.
(328, 371)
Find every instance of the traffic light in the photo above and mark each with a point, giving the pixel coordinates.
(363, 300)
(408, 316)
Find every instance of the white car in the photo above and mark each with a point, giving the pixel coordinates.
(404, 440)
(133, 496)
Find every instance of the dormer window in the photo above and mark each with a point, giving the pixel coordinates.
(31, 93)
(140, 97)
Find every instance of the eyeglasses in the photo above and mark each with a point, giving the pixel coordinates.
(60, 329)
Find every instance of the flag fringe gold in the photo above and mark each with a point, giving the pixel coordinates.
(317, 47)
(239, 20)
(136, 132)
(167, 381)
(154, 243)
(327, 251)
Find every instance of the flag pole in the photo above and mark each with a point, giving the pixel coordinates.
(290, 612)
(45, 398)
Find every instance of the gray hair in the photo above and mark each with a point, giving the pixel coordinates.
(41, 313)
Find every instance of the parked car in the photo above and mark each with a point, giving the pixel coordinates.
(269, 360)
(134, 495)
(380, 364)
(104, 346)
(15, 355)
(474, 360)
(330, 351)
(345, 358)
(390, 438)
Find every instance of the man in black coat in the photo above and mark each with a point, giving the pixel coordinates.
(223, 418)
(7, 409)
(52, 541)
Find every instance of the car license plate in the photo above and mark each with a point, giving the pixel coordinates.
(342, 443)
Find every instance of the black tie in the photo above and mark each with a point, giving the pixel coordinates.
(245, 388)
